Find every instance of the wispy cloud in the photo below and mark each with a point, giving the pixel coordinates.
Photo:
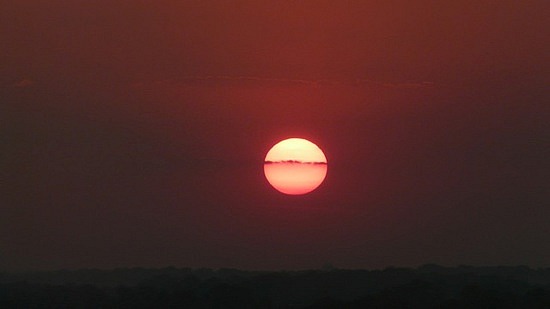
(26, 82)
(310, 82)
(410, 85)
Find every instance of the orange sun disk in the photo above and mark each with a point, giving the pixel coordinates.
(295, 166)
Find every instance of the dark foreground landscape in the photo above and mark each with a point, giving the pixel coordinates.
(429, 286)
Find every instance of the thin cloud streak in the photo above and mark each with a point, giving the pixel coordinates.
(23, 83)
(295, 162)
(310, 82)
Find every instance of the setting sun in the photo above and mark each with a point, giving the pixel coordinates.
(295, 166)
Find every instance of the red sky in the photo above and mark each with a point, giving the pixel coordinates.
(134, 132)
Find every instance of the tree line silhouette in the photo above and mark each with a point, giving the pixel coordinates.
(429, 286)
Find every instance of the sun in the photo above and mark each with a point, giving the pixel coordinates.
(295, 166)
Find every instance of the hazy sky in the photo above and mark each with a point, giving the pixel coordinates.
(133, 133)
